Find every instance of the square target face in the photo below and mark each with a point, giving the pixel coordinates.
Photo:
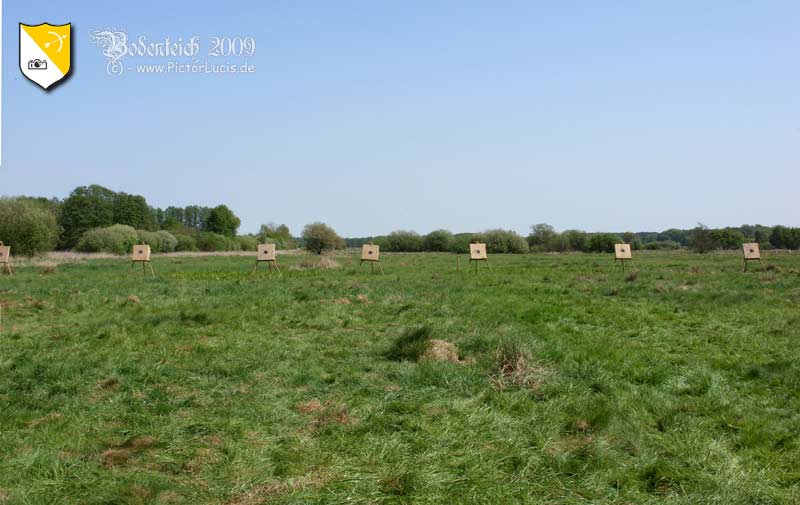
(141, 252)
(622, 251)
(370, 252)
(5, 252)
(266, 252)
(751, 251)
(477, 252)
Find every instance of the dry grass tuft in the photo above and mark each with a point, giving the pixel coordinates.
(110, 384)
(515, 368)
(48, 267)
(52, 416)
(324, 263)
(441, 350)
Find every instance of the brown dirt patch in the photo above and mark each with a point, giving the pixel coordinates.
(115, 457)
(121, 454)
(270, 491)
(309, 406)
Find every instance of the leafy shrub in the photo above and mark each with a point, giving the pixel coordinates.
(460, 243)
(502, 241)
(185, 243)
(728, 238)
(28, 228)
(247, 242)
(278, 235)
(212, 242)
(603, 242)
(382, 242)
(159, 241)
(403, 241)
(437, 241)
(783, 237)
(660, 245)
(319, 237)
(115, 239)
(127, 234)
(570, 240)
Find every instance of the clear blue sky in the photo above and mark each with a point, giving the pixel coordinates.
(377, 115)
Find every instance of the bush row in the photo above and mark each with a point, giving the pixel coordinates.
(119, 239)
(497, 241)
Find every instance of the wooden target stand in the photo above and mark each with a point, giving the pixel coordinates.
(141, 254)
(477, 253)
(622, 253)
(5, 259)
(751, 252)
(267, 254)
(371, 253)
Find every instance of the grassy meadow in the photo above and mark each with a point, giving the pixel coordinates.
(574, 383)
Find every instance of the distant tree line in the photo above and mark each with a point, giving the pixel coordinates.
(97, 219)
(544, 238)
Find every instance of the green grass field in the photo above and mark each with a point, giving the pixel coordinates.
(576, 384)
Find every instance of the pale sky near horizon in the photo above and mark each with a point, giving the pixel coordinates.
(465, 115)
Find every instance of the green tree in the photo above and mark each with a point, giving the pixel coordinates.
(276, 234)
(541, 235)
(702, 240)
(85, 208)
(319, 237)
(132, 210)
(223, 221)
(29, 228)
(403, 241)
(438, 241)
(783, 237)
(727, 238)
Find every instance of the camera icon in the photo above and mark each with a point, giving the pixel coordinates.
(37, 64)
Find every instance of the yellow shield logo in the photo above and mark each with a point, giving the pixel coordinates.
(44, 52)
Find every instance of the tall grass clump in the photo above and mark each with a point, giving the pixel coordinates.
(410, 345)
